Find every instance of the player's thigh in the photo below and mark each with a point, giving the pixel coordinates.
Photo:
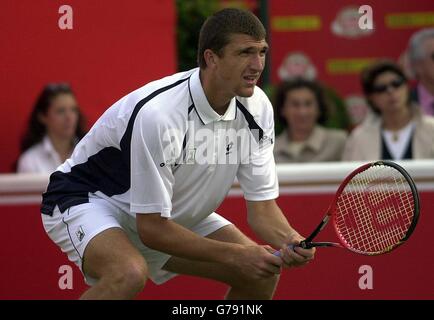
(92, 236)
(110, 253)
(215, 271)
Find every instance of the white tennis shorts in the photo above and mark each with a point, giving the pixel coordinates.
(73, 230)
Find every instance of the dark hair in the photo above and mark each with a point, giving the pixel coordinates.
(371, 73)
(217, 29)
(37, 130)
(295, 84)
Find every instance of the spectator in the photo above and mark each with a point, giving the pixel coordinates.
(395, 129)
(298, 64)
(54, 128)
(301, 109)
(421, 55)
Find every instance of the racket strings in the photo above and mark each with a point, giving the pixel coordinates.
(384, 217)
(375, 210)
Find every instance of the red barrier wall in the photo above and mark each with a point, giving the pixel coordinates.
(113, 48)
(29, 261)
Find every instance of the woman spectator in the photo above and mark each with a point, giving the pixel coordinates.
(301, 109)
(55, 126)
(395, 129)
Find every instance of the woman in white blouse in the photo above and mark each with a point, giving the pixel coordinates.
(54, 128)
(395, 129)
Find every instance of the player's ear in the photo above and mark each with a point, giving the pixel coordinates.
(210, 58)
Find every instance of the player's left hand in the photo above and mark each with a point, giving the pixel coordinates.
(298, 256)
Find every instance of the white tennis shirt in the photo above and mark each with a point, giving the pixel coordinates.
(163, 149)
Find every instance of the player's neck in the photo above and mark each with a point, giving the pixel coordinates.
(217, 97)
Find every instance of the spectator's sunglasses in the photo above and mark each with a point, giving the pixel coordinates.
(395, 84)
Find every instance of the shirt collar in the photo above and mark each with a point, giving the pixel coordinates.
(48, 146)
(316, 139)
(203, 108)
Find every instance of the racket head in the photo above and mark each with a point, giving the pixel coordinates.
(376, 208)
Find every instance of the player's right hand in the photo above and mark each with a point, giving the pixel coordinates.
(257, 262)
(297, 256)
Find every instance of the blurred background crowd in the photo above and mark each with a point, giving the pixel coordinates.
(340, 92)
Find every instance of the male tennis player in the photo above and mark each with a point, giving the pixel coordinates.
(136, 199)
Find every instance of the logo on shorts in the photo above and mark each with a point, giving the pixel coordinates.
(80, 233)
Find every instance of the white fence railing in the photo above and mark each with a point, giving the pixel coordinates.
(22, 189)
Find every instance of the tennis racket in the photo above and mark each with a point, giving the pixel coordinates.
(375, 209)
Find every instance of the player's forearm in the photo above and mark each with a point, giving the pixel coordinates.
(269, 223)
(167, 236)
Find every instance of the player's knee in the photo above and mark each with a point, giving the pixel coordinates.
(271, 284)
(130, 275)
(267, 286)
(262, 289)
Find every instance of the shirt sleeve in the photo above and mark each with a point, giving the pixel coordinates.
(151, 174)
(257, 174)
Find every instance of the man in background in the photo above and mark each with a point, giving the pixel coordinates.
(421, 55)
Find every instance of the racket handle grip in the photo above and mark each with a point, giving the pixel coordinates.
(290, 247)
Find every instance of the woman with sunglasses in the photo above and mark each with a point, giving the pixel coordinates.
(54, 128)
(395, 129)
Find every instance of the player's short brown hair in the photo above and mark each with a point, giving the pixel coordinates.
(217, 29)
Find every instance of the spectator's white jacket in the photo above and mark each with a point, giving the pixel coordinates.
(364, 142)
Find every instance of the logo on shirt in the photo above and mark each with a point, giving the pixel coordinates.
(190, 156)
(80, 233)
(266, 140)
(229, 147)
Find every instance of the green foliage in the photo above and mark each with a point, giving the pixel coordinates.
(191, 15)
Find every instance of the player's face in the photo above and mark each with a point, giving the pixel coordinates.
(301, 110)
(241, 64)
(61, 118)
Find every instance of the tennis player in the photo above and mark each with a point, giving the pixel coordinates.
(136, 200)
